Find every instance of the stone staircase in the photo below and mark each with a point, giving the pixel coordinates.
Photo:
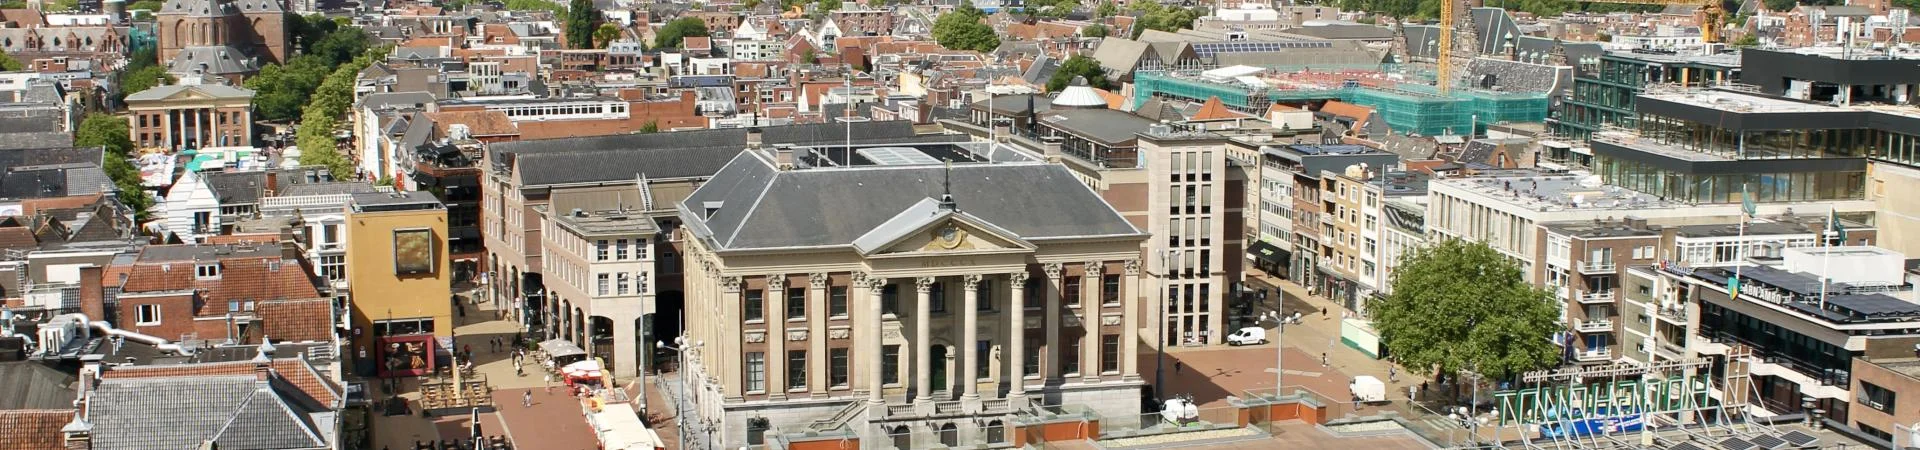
(839, 419)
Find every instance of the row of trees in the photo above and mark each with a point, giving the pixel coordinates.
(322, 116)
(282, 91)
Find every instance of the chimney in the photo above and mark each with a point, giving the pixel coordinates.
(1002, 127)
(923, 113)
(93, 297)
(1051, 144)
(753, 138)
(1635, 222)
(91, 368)
(78, 434)
(783, 157)
(262, 364)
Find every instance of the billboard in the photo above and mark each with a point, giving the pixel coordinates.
(1552, 404)
(406, 355)
(413, 251)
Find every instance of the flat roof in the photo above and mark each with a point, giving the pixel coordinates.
(608, 222)
(395, 201)
(1637, 142)
(1736, 101)
(1558, 191)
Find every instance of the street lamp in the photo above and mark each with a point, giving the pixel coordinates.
(1279, 349)
(681, 346)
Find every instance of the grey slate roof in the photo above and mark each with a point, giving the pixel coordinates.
(1106, 126)
(236, 188)
(762, 208)
(694, 153)
(31, 385)
(170, 413)
(211, 60)
(1364, 32)
(214, 90)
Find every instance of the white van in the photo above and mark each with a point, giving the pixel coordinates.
(1248, 336)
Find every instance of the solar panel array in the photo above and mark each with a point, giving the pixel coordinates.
(1205, 49)
(1685, 446)
(1734, 443)
(1768, 442)
(1799, 439)
(1872, 305)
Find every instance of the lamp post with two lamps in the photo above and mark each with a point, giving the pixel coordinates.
(1279, 347)
(683, 346)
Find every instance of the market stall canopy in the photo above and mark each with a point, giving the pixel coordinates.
(561, 348)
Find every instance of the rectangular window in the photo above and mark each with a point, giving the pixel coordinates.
(604, 284)
(756, 372)
(600, 252)
(985, 290)
(937, 298)
(983, 348)
(1070, 288)
(622, 284)
(837, 301)
(1070, 356)
(1033, 358)
(890, 299)
(837, 367)
(890, 364)
(1876, 397)
(148, 315)
(1036, 295)
(620, 250)
(755, 308)
(796, 303)
(1110, 290)
(1109, 353)
(796, 369)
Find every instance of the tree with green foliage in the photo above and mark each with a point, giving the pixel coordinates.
(282, 91)
(582, 18)
(961, 29)
(558, 10)
(306, 31)
(1079, 66)
(826, 6)
(606, 34)
(1154, 16)
(7, 63)
(1747, 40)
(315, 134)
(1462, 306)
(809, 56)
(148, 5)
(143, 79)
(1105, 10)
(105, 131)
(650, 127)
(1094, 31)
(750, 5)
(112, 135)
(674, 33)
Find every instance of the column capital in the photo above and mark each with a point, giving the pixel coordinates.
(1018, 279)
(1132, 267)
(1053, 270)
(924, 284)
(730, 284)
(776, 282)
(817, 280)
(873, 282)
(1093, 268)
(859, 279)
(972, 281)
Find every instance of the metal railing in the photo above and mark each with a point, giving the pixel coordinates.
(1594, 326)
(1597, 297)
(1597, 267)
(1600, 354)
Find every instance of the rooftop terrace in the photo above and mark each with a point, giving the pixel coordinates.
(1558, 192)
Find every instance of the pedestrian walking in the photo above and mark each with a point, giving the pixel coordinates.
(527, 400)
(549, 382)
(1177, 366)
(1323, 360)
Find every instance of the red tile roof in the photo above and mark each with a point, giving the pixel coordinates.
(297, 320)
(243, 278)
(33, 429)
(294, 370)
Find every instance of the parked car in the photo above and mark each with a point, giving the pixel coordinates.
(1248, 336)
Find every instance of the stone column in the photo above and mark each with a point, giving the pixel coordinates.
(1052, 315)
(922, 338)
(969, 347)
(873, 347)
(1017, 338)
(1130, 322)
(1092, 290)
(817, 357)
(774, 302)
(729, 364)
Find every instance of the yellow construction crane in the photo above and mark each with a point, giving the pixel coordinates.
(1712, 17)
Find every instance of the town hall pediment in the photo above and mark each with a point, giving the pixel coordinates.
(919, 231)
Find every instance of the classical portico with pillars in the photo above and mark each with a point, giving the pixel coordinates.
(931, 321)
(179, 117)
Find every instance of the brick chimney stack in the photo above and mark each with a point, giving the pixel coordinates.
(93, 295)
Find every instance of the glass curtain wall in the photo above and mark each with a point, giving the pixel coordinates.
(1725, 188)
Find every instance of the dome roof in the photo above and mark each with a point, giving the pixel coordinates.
(1079, 95)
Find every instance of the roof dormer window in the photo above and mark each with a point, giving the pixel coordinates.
(207, 271)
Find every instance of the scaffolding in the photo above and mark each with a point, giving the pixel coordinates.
(1407, 108)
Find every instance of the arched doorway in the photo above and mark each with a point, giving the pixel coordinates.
(902, 439)
(949, 435)
(996, 432)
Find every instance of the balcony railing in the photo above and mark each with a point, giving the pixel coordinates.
(1596, 297)
(1592, 355)
(1594, 326)
(1597, 267)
